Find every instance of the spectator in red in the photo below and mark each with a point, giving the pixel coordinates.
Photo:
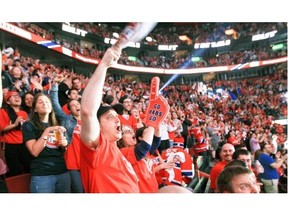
(142, 108)
(12, 117)
(136, 114)
(137, 149)
(183, 171)
(103, 167)
(72, 94)
(237, 179)
(226, 153)
(159, 166)
(232, 139)
(200, 148)
(126, 118)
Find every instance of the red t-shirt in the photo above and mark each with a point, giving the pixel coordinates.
(215, 171)
(232, 140)
(106, 170)
(144, 170)
(159, 174)
(12, 136)
(72, 154)
(131, 121)
(65, 109)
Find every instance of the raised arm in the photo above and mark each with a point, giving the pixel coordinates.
(156, 113)
(144, 146)
(55, 100)
(92, 98)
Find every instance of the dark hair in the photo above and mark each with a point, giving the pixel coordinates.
(70, 90)
(225, 177)
(121, 100)
(12, 115)
(108, 99)
(257, 153)
(263, 144)
(228, 134)
(68, 103)
(75, 78)
(236, 162)
(240, 152)
(23, 104)
(139, 133)
(120, 143)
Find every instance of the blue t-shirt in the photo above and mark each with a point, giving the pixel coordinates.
(269, 172)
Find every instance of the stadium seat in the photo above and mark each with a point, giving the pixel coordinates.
(19, 183)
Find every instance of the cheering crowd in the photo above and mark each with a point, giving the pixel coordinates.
(100, 135)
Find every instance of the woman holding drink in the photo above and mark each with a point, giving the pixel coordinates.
(46, 142)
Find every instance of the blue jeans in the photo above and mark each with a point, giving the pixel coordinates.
(76, 181)
(60, 183)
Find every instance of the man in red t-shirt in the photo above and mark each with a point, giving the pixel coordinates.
(72, 94)
(126, 118)
(226, 153)
(103, 167)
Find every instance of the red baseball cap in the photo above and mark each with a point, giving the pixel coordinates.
(10, 93)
